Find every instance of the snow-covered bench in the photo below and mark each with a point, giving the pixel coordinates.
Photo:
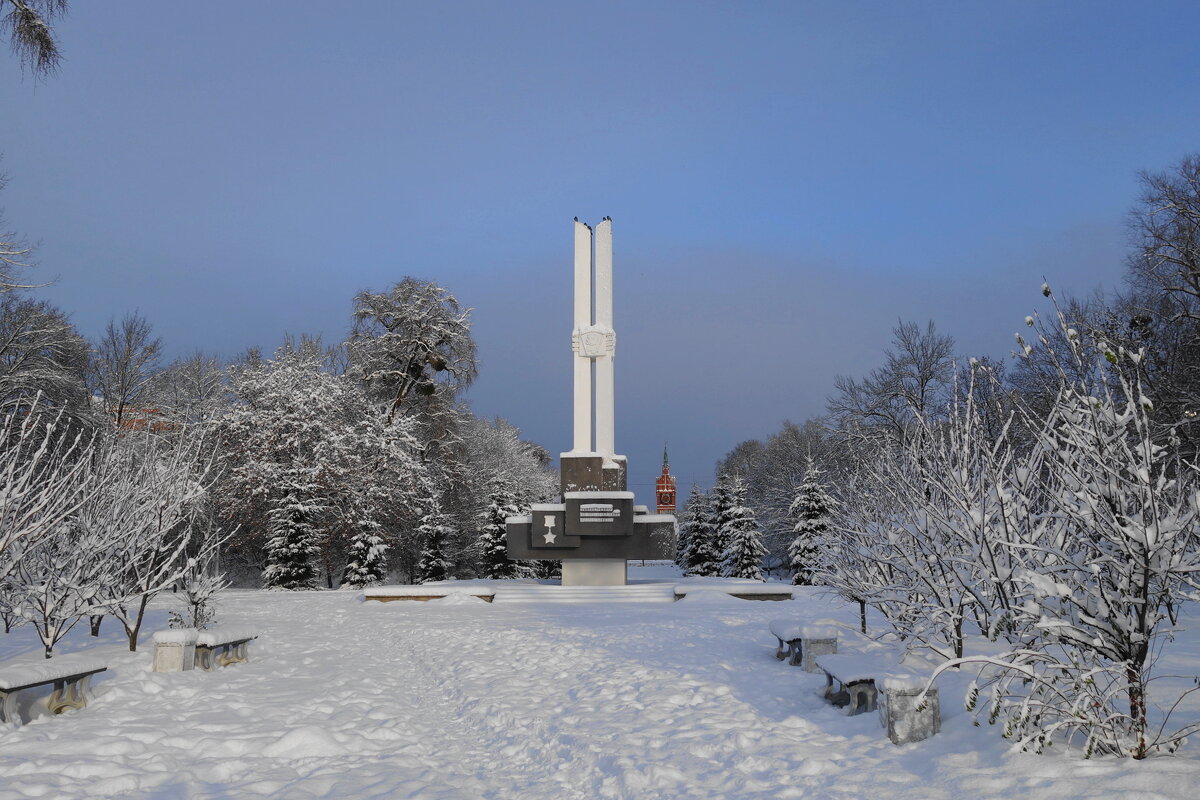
(220, 647)
(71, 675)
(801, 642)
(906, 709)
(175, 649)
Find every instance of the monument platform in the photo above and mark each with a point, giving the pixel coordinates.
(639, 592)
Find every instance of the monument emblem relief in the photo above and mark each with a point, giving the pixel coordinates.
(596, 529)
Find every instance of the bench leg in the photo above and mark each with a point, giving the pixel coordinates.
(862, 697)
(233, 653)
(204, 658)
(69, 694)
(8, 708)
(796, 648)
(779, 651)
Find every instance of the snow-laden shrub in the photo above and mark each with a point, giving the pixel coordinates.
(196, 596)
(1105, 573)
(1078, 545)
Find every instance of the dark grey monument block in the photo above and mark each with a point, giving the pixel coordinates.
(587, 474)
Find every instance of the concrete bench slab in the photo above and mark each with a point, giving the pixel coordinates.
(223, 646)
(801, 641)
(70, 675)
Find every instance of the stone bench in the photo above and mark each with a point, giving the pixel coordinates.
(906, 709)
(801, 642)
(220, 647)
(70, 674)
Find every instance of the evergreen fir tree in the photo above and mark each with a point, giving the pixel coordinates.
(546, 569)
(684, 528)
(703, 556)
(366, 564)
(293, 543)
(720, 504)
(493, 540)
(435, 531)
(744, 548)
(811, 508)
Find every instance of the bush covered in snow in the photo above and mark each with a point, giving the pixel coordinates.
(1069, 536)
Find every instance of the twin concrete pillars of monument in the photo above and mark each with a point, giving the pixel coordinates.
(597, 527)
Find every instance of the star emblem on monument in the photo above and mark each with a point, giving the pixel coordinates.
(549, 534)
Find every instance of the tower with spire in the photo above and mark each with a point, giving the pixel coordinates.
(664, 487)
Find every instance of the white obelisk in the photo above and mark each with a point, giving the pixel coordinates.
(583, 320)
(593, 339)
(606, 444)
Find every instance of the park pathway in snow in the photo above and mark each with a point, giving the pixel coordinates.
(459, 698)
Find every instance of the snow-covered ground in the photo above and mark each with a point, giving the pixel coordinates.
(458, 698)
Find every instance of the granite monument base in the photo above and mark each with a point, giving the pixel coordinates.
(595, 572)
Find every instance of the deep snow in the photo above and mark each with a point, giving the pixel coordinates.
(459, 698)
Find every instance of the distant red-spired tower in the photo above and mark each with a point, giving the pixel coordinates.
(664, 488)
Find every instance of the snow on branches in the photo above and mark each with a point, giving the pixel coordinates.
(1069, 535)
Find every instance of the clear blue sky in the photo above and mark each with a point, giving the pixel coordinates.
(786, 180)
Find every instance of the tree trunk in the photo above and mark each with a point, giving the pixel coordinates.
(958, 634)
(137, 623)
(862, 615)
(1137, 709)
(96, 619)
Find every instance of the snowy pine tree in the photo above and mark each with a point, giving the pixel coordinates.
(366, 564)
(743, 540)
(493, 541)
(811, 508)
(435, 531)
(292, 545)
(687, 522)
(703, 554)
(720, 503)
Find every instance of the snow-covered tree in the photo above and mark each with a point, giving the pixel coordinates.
(1104, 573)
(59, 580)
(686, 523)
(493, 540)
(42, 358)
(435, 533)
(811, 507)
(123, 366)
(8, 603)
(367, 561)
(410, 338)
(704, 553)
(189, 390)
(743, 540)
(312, 469)
(295, 539)
(45, 477)
(720, 503)
(198, 589)
(151, 506)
